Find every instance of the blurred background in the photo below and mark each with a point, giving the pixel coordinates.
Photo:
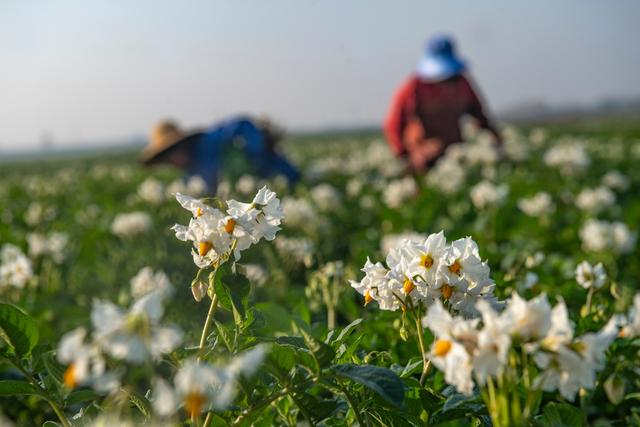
(79, 75)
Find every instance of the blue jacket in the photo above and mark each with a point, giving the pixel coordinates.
(208, 149)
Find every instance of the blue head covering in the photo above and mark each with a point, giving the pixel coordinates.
(440, 60)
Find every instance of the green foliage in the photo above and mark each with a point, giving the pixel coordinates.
(18, 330)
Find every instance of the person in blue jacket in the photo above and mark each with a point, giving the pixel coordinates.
(202, 152)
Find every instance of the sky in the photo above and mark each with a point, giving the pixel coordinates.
(76, 71)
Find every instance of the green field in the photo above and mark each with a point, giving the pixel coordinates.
(290, 342)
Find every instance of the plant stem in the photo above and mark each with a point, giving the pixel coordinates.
(493, 407)
(331, 317)
(207, 325)
(353, 404)
(426, 363)
(59, 413)
(589, 297)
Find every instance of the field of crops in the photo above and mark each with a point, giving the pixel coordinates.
(499, 289)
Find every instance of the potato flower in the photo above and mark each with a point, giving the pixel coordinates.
(589, 276)
(86, 366)
(135, 335)
(198, 387)
(15, 267)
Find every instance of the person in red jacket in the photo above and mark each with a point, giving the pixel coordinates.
(425, 113)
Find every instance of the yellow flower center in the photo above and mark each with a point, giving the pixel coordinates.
(230, 225)
(69, 377)
(193, 403)
(199, 212)
(446, 291)
(408, 286)
(367, 297)
(426, 261)
(204, 248)
(455, 268)
(441, 348)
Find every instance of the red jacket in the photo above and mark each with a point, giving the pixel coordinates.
(434, 108)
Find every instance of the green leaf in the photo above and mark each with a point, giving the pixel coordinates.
(381, 380)
(142, 403)
(296, 342)
(323, 353)
(18, 329)
(560, 415)
(346, 331)
(16, 387)
(51, 424)
(80, 396)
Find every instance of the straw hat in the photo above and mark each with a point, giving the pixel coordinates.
(164, 135)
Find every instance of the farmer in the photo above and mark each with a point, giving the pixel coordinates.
(425, 113)
(202, 152)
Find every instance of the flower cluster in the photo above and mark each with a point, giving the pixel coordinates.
(479, 349)
(131, 224)
(15, 267)
(399, 191)
(134, 336)
(52, 245)
(486, 194)
(426, 271)
(594, 200)
(537, 205)
(598, 236)
(568, 157)
(147, 281)
(216, 233)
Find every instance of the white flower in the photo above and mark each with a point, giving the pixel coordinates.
(589, 276)
(616, 180)
(298, 249)
(391, 241)
(426, 256)
(494, 342)
(135, 335)
(36, 213)
(207, 231)
(399, 191)
(151, 191)
(528, 319)
(568, 157)
(486, 194)
(260, 218)
(215, 234)
(86, 366)
(448, 175)
(595, 200)
(456, 339)
(147, 281)
(15, 267)
(257, 274)
(200, 386)
(300, 213)
(326, 197)
(461, 266)
(537, 205)
(354, 186)
(632, 327)
(53, 245)
(601, 236)
(131, 224)
(246, 185)
(376, 286)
